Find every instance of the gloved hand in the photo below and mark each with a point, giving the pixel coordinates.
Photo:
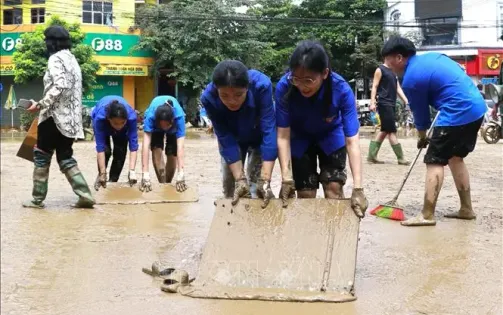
(241, 190)
(359, 202)
(287, 191)
(422, 143)
(494, 113)
(101, 181)
(180, 182)
(264, 191)
(145, 184)
(132, 178)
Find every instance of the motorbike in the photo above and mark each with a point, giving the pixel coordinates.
(491, 132)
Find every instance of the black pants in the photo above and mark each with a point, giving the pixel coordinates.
(50, 139)
(157, 142)
(387, 115)
(119, 153)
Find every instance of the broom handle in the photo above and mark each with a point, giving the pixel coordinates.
(428, 135)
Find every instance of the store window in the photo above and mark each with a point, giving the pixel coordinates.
(37, 1)
(440, 31)
(13, 2)
(38, 16)
(97, 12)
(395, 18)
(13, 16)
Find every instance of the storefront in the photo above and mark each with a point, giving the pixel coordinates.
(124, 70)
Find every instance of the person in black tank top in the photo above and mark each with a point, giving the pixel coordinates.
(385, 89)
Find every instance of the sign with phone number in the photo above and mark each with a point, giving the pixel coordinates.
(123, 70)
(7, 69)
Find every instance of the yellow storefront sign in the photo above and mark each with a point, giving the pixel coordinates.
(7, 68)
(123, 70)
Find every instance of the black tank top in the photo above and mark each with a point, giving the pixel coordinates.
(386, 91)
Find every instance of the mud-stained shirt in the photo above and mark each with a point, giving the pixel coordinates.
(62, 98)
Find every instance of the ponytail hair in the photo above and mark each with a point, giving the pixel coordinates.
(116, 110)
(165, 112)
(312, 56)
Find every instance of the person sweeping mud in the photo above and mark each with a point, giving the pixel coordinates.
(114, 118)
(385, 88)
(435, 79)
(239, 103)
(317, 120)
(164, 121)
(60, 120)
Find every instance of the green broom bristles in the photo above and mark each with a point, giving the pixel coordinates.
(388, 212)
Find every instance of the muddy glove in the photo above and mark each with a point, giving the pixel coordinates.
(145, 184)
(422, 141)
(180, 182)
(264, 191)
(287, 191)
(359, 202)
(101, 181)
(241, 190)
(132, 178)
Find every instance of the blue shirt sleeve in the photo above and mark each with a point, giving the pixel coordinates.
(229, 148)
(269, 145)
(282, 112)
(180, 127)
(133, 135)
(100, 135)
(350, 123)
(418, 103)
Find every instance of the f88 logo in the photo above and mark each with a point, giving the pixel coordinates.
(8, 44)
(99, 44)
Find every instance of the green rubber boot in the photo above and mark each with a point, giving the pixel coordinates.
(373, 151)
(80, 187)
(397, 148)
(40, 184)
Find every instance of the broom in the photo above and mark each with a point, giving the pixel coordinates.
(391, 210)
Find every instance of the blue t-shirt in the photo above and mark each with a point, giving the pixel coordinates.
(437, 80)
(178, 126)
(254, 124)
(103, 129)
(307, 119)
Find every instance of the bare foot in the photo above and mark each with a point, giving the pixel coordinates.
(419, 220)
(462, 215)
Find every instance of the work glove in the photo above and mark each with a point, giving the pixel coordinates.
(180, 182)
(241, 190)
(422, 143)
(359, 202)
(145, 184)
(132, 178)
(264, 191)
(287, 191)
(494, 113)
(101, 181)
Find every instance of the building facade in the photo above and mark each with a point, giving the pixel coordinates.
(110, 31)
(469, 31)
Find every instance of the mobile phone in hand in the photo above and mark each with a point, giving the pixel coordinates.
(24, 104)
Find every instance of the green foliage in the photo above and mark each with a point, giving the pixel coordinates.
(31, 61)
(26, 118)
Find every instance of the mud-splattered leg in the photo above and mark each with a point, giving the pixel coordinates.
(253, 169)
(434, 181)
(227, 180)
(462, 181)
(333, 190)
(170, 168)
(159, 166)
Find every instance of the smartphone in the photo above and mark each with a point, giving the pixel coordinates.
(24, 104)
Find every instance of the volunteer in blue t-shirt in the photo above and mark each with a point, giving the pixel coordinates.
(317, 120)
(114, 118)
(435, 79)
(164, 128)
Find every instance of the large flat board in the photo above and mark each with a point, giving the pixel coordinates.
(122, 193)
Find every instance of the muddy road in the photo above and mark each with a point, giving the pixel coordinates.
(88, 262)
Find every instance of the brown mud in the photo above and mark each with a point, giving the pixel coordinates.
(88, 262)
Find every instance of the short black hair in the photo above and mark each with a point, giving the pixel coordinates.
(116, 110)
(165, 112)
(398, 45)
(57, 38)
(231, 73)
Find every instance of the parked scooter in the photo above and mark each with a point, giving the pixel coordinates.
(492, 132)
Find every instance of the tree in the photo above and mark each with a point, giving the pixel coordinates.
(31, 61)
(190, 37)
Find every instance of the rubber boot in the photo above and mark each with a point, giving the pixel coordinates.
(397, 148)
(40, 184)
(373, 151)
(80, 187)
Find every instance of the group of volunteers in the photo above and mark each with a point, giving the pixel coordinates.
(310, 122)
